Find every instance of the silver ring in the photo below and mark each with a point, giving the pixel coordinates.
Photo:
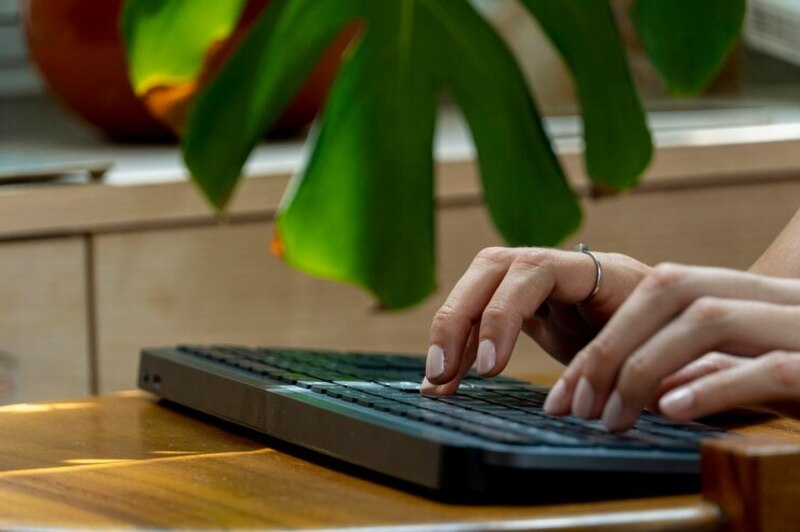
(583, 248)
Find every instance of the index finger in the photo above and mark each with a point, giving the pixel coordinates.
(501, 288)
(453, 321)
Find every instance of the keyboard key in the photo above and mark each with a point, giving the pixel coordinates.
(500, 410)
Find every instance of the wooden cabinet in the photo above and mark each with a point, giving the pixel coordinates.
(44, 329)
(90, 274)
(726, 224)
(219, 283)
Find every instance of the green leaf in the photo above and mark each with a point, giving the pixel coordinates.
(688, 41)
(362, 210)
(166, 40)
(233, 113)
(524, 187)
(617, 140)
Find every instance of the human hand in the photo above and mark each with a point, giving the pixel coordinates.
(655, 349)
(498, 296)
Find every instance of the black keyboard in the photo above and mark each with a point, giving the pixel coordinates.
(496, 427)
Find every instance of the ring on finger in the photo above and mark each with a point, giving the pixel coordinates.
(583, 248)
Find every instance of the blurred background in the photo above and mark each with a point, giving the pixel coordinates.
(105, 247)
(764, 69)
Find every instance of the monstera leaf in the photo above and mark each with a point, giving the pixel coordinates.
(169, 43)
(688, 40)
(362, 210)
(618, 146)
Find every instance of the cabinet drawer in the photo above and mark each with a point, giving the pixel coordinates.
(43, 319)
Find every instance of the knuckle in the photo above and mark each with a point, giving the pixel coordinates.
(665, 276)
(494, 255)
(784, 369)
(533, 258)
(718, 361)
(445, 316)
(496, 311)
(600, 352)
(707, 311)
(636, 371)
(578, 362)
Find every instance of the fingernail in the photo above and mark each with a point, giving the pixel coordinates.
(486, 357)
(676, 402)
(556, 399)
(613, 412)
(435, 364)
(427, 388)
(584, 399)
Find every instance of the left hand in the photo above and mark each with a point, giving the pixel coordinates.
(656, 349)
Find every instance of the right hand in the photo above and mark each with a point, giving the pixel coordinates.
(536, 290)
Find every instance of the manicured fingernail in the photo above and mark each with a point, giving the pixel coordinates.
(435, 364)
(613, 412)
(676, 402)
(556, 400)
(427, 388)
(584, 399)
(486, 356)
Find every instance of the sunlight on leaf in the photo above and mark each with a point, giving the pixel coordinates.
(166, 41)
(255, 85)
(362, 210)
(175, 46)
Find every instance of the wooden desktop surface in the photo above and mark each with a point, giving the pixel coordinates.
(125, 461)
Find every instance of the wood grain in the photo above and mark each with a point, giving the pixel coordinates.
(121, 428)
(63, 209)
(756, 482)
(43, 318)
(129, 462)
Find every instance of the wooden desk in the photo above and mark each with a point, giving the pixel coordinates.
(124, 461)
